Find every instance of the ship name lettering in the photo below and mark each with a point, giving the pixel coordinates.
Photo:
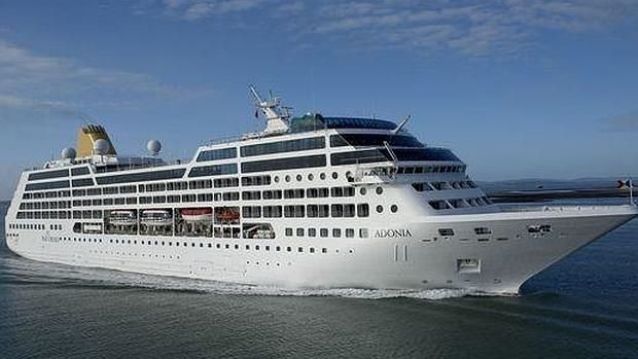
(392, 233)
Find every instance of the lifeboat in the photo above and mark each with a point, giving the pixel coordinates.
(156, 217)
(197, 214)
(227, 215)
(123, 218)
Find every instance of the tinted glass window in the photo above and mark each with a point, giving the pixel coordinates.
(315, 122)
(284, 164)
(283, 146)
(215, 170)
(83, 182)
(349, 158)
(47, 185)
(425, 154)
(49, 174)
(362, 140)
(80, 171)
(382, 155)
(142, 177)
(220, 154)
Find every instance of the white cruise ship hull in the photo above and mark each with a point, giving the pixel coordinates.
(416, 256)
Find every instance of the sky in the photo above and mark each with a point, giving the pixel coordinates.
(518, 89)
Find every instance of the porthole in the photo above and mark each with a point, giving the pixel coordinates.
(276, 178)
(311, 177)
(287, 178)
(299, 178)
(379, 209)
(363, 191)
(379, 190)
(322, 176)
(335, 175)
(394, 208)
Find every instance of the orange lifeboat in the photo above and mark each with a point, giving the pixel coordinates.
(227, 215)
(197, 214)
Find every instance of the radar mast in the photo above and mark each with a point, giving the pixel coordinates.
(276, 115)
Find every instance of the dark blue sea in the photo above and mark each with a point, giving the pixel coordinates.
(583, 307)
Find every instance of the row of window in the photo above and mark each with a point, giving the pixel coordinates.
(34, 226)
(213, 170)
(480, 231)
(373, 140)
(303, 144)
(310, 211)
(44, 215)
(256, 247)
(50, 194)
(442, 185)
(284, 164)
(142, 176)
(48, 175)
(40, 186)
(323, 232)
(45, 205)
(382, 155)
(460, 203)
(431, 169)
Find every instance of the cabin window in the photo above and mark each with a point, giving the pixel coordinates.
(539, 228)
(482, 230)
(446, 232)
(438, 205)
(363, 210)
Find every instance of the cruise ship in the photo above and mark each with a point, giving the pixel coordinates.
(309, 202)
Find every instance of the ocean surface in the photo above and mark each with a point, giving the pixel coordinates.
(583, 307)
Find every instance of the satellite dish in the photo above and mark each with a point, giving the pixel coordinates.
(154, 147)
(101, 147)
(68, 153)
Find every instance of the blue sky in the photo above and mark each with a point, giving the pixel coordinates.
(517, 88)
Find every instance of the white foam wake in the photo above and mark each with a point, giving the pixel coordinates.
(30, 271)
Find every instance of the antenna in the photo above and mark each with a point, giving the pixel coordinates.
(400, 125)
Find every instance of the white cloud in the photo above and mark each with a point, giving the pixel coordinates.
(200, 9)
(60, 85)
(472, 27)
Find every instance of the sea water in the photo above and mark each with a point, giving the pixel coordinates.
(586, 306)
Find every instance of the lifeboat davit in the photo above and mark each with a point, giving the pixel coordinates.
(123, 218)
(156, 217)
(197, 214)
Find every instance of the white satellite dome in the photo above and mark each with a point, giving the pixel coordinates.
(154, 147)
(68, 153)
(101, 147)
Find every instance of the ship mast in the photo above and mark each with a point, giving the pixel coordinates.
(276, 119)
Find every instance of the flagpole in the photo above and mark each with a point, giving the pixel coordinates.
(631, 192)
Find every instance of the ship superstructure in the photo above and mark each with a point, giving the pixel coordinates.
(313, 201)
